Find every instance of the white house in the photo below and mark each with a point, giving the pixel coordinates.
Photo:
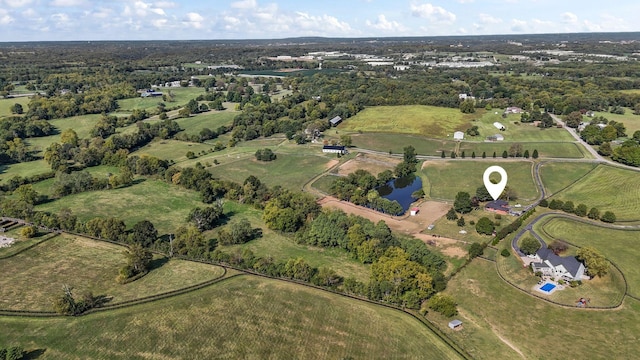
(334, 149)
(549, 264)
(499, 126)
(458, 135)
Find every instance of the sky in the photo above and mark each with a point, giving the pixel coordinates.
(51, 20)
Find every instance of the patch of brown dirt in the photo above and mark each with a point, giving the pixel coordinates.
(375, 164)
(332, 163)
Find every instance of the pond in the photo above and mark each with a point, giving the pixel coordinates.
(400, 190)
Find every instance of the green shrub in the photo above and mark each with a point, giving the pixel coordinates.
(505, 253)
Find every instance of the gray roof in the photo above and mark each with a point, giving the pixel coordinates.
(454, 323)
(570, 262)
(335, 120)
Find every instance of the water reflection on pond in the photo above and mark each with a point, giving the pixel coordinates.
(400, 190)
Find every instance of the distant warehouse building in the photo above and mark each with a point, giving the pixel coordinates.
(334, 149)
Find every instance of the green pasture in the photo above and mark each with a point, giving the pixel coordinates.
(447, 178)
(631, 121)
(82, 124)
(24, 169)
(429, 121)
(281, 248)
(245, 317)
(450, 229)
(165, 205)
(44, 187)
(538, 329)
(619, 246)
(395, 143)
(86, 265)
(291, 171)
(20, 242)
(211, 120)
(558, 175)
(6, 104)
(515, 132)
(609, 189)
(169, 149)
(324, 183)
(545, 149)
(181, 97)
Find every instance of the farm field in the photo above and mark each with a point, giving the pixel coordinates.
(428, 121)
(631, 121)
(311, 323)
(86, 265)
(296, 169)
(169, 149)
(166, 205)
(24, 169)
(619, 246)
(447, 178)
(6, 104)
(181, 97)
(515, 132)
(609, 189)
(395, 143)
(44, 187)
(490, 304)
(449, 228)
(558, 175)
(212, 120)
(545, 150)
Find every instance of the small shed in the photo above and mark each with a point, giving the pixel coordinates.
(335, 121)
(458, 135)
(455, 324)
(415, 211)
(498, 137)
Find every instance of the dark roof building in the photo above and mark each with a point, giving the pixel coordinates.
(337, 149)
(499, 206)
(557, 266)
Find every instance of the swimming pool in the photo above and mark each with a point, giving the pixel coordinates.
(547, 287)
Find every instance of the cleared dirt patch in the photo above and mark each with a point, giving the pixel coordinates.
(374, 164)
(429, 212)
(332, 163)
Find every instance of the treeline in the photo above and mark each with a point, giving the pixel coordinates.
(359, 188)
(580, 210)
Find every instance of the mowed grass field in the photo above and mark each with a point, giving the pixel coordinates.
(6, 104)
(172, 149)
(558, 175)
(545, 149)
(631, 122)
(86, 265)
(24, 169)
(395, 143)
(429, 121)
(488, 304)
(244, 317)
(609, 189)
(619, 246)
(447, 178)
(291, 171)
(165, 205)
(515, 132)
(212, 120)
(181, 97)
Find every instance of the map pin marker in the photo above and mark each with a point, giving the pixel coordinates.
(495, 189)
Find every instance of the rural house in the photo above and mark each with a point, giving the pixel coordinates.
(498, 206)
(549, 264)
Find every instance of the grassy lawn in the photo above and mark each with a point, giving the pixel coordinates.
(538, 329)
(545, 149)
(608, 188)
(631, 121)
(324, 183)
(211, 120)
(241, 318)
(86, 265)
(172, 149)
(397, 142)
(82, 125)
(6, 104)
(167, 206)
(450, 229)
(296, 169)
(24, 169)
(450, 177)
(619, 246)
(558, 175)
(429, 121)
(515, 132)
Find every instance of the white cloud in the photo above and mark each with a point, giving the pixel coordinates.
(67, 3)
(5, 18)
(61, 20)
(245, 4)
(569, 18)
(487, 19)
(16, 3)
(165, 4)
(464, 2)
(433, 13)
(382, 23)
(518, 26)
(194, 20)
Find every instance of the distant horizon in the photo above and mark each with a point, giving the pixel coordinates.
(170, 20)
(598, 35)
